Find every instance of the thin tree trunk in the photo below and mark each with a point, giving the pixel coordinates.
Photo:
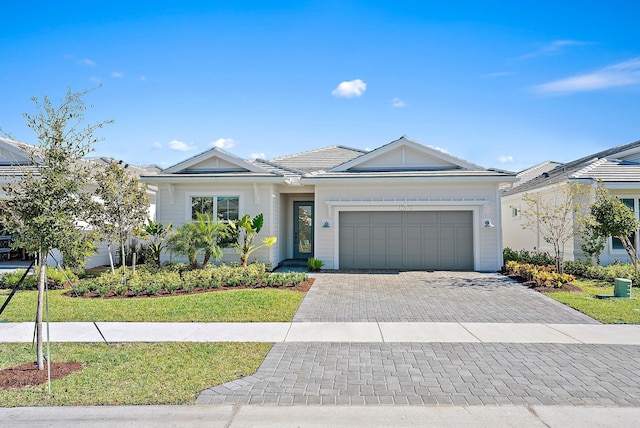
(124, 262)
(42, 277)
(113, 269)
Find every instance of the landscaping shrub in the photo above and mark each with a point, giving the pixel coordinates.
(542, 275)
(585, 269)
(55, 278)
(538, 258)
(169, 280)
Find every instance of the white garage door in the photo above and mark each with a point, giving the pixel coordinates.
(439, 240)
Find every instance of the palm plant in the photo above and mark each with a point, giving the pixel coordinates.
(203, 235)
(183, 242)
(158, 233)
(209, 234)
(246, 229)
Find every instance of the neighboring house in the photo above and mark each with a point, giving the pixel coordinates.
(15, 160)
(619, 170)
(401, 206)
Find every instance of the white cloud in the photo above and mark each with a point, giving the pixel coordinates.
(442, 150)
(143, 78)
(181, 146)
(157, 145)
(553, 47)
(397, 102)
(505, 159)
(622, 74)
(258, 156)
(224, 143)
(86, 61)
(117, 74)
(350, 89)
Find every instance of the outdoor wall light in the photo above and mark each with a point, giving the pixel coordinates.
(326, 224)
(487, 223)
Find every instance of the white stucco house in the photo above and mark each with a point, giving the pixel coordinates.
(15, 159)
(617, 168)
(401, 206)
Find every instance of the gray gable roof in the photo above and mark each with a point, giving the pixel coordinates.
(317, 160)
(603, 165)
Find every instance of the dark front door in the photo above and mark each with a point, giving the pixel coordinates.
(302, 230)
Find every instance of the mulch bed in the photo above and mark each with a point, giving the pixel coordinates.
(26, 375)
(304, 287)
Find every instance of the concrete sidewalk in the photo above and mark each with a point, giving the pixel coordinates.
(321, 416)
(336, 332)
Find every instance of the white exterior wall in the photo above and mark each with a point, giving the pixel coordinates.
(174, 206)
(517, 238)
(483, 201)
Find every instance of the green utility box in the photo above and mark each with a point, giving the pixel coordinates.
(622, 287)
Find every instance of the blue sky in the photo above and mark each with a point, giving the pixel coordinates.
(500, 84)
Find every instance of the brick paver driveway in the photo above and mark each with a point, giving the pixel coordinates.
(436, 373)
(429, 297)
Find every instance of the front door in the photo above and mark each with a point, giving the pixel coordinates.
(302, 230)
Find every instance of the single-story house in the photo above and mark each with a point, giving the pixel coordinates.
(401, 206)
(617, 168)
(15, 159)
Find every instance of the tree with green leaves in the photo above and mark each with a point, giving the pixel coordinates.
(49, 207)
(246, 229)
(557, 217)
(611, 217)
(125, 206)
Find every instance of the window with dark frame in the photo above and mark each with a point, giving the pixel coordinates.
(225, 208)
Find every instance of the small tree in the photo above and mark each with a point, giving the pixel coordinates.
(611, 217)
(246, 229)
(557, 218)
(48, 208)
(124, 206)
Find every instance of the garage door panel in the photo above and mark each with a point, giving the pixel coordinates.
(406, 240)
(386, 218)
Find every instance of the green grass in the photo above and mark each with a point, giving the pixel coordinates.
(608, 311)
(135, 373)
(246, 305)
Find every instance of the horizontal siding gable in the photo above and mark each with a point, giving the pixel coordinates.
(214, 164)
(404, 158)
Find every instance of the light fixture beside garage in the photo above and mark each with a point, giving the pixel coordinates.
(326, 224)
(487, 222)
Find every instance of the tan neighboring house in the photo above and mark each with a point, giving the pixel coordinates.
(618, 168)
(401, 206)
(14, 159)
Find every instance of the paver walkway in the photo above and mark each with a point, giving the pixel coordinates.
(433, 372)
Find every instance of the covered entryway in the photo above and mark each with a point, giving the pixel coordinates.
(439, 240)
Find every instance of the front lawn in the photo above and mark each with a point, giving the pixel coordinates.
(608, 311)
(133, 373)
(244, 305)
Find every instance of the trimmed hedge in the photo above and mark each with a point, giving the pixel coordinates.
(538, 258)
(585, 269)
